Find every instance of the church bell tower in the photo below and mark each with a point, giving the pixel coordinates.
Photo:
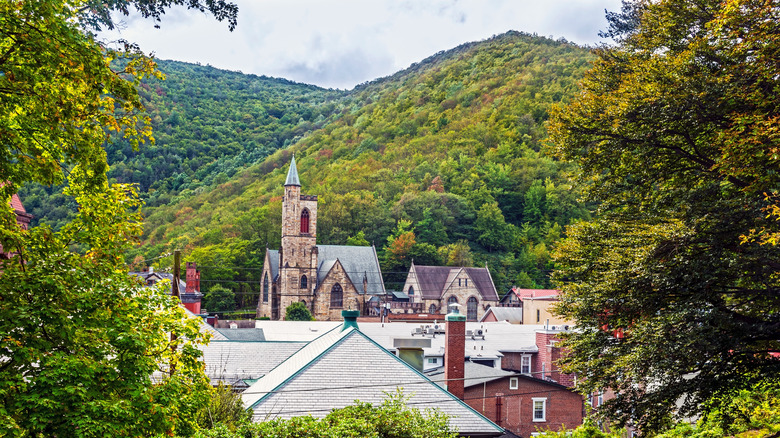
(298, 255)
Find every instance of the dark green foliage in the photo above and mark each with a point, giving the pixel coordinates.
(298, 312)
(451, 145)
(673, 132)
(224, 410)
(219, 299)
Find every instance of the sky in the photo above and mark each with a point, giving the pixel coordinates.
(342, 43)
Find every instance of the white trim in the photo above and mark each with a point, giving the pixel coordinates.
(514, 383)
(523, 358)
(535, 400)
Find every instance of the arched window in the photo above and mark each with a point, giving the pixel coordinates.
(451, 300)
(432, 309)
(305, 221)
(336, 296)
(265, 288)
(411, 290)
(471, 309)
(304, 282)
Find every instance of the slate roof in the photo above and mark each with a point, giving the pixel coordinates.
(292, 175)
(273, 260)
(358, 262)
(206, 328)
(233, 362)
(243, 334)
(434, 279)
(163, 276)
(16, 204)
(340, 367)
(512, 315)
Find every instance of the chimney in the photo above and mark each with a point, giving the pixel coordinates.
(350, 319)
(455, 351)
(193, 278)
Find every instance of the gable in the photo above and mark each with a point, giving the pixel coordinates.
(358, 262)
(339, 368)
(432, 280)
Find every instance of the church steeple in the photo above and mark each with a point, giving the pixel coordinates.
(292, 175)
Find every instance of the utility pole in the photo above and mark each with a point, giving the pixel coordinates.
(175, 291)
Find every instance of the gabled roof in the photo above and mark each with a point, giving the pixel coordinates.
(243, 334)
(16, 204)
(359, 262)
(292, 175)
(340, 367)
(534, 293)
(162, 276)
(434, 279)
(234, 361)
(273, 260)
(513, 315)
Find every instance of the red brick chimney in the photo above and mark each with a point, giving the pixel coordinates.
(455, 352)
(193, 278)
(549, 354)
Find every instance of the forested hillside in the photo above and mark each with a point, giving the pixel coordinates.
(441, 163)
(208, 124)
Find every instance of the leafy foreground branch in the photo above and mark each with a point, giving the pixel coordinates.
(391, 419)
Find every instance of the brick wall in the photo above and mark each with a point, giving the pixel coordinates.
(455, 356)
(513, 408)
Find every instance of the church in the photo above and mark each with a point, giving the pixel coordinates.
(326, 278)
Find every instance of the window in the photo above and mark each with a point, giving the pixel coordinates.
(304, 282)
(411, 290)
(538, 316)
(513, 383)
(305, 221)
(432, 308)
(466, 282)
(471, 309)
(451, 300)
(336, 296)
(265, 288)
(525, 364)
(433, 360)
(540, 408)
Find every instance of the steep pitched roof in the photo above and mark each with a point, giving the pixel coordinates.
(484, 282)
(340, 367)
(292, 175)
(359, 262)
(433, 280)
(16, 204)
(273, 260)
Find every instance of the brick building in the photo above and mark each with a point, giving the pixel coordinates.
(326, 278)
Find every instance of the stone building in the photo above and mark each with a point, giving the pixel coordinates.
(326, 278)
(436, 287)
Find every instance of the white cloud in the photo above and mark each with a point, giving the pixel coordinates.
(342, 43)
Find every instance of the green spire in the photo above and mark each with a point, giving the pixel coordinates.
(292, 175)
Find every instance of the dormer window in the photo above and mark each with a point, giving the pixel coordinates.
(305, 221)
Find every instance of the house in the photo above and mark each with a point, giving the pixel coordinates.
(512, 315)
(343, 365)
(536, 305)
(520, 403)
(189, 290)
(326, 278)
(433, 288)
(23, 220)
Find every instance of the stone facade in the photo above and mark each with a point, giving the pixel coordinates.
(300, 272)
(436, 286)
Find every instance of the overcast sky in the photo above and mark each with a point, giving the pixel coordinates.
(341, 43)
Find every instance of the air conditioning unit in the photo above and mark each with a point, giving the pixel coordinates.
(469, 332)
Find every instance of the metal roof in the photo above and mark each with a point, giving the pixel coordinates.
(513, 315)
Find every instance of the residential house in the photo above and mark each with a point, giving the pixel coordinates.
(23, 220)
(189, 290)
(536, 305)
(433, 288)
(326, 278)
(344, 365)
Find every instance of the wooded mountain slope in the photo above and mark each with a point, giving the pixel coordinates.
(440, 163)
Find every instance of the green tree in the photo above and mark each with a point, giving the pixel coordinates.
(219, 299)
(358, 239)
(674, 132)
(86, 350)
(298, 312)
